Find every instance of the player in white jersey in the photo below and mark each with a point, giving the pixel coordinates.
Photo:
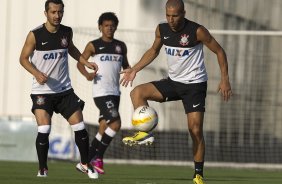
(48, 47)
(110, 55)
(187, 77)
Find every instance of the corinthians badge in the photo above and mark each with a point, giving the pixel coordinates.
(118, 49)
(40, 100)
(64, 42)
(184, 40)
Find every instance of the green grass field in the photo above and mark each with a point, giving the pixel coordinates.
(65, 173)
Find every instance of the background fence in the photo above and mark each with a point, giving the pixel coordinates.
(245, 130)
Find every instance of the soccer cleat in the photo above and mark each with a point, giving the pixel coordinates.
(98, 165)
(139, 138)
(198, 179)
(42, 173)
(87, 170)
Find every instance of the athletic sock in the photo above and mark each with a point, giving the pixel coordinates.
(105, 142)
(82, 141)
(93, 149)
(199, 168)
(42, 146)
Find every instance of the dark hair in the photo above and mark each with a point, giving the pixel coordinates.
(53, 1)
(108, 16)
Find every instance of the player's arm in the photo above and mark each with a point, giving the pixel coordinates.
(208, 40)
(75, 54)
(125, 63)
(146, 59)
(88, 51)
(27, 50)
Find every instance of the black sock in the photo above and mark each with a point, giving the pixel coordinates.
(42, 146)
(199, 168)
(82, 142)
(93, 149)
(105, 142)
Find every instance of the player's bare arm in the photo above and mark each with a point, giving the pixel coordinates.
(147, 58)
(27, 50)
(125, 63)
(75, 53)
(88, 51)
(207, 39)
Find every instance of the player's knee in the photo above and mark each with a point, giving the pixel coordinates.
(138, 92)
(134, 93)
(196, 132)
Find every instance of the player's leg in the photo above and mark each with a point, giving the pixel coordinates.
(82, 142)
(107, 137)
(144, 92)
(70, 106)
(42, 110)
(80, 134)
(139, 97)
(193, 99)
(195, 126)
(159, 91)
(43, 120)
(93, 148)
(109, 125)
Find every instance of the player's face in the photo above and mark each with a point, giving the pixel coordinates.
(54, 14)
(175, 17)
(108, 29)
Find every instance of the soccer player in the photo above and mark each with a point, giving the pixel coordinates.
(48, 47)
(187, 76)
(110, 55)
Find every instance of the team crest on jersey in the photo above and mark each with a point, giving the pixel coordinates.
(184, 40)
(114, 112)
(118, 49)
(40, 100)
(64, 42)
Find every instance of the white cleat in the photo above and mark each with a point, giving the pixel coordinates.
(42, 173)
(89, 170)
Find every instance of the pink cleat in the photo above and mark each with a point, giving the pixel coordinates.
(98, 165)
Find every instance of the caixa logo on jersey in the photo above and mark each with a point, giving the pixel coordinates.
(176, 52)
(55, 55)
(111, 58)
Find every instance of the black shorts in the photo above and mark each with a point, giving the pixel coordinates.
(65, 103)
(108, 106)
(192, 95)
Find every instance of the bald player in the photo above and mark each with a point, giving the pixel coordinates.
(187, 76)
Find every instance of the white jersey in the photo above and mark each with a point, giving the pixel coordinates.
(109, 56)
(51, 57)
(185, 56)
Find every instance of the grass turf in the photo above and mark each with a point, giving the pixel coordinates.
(65, 173)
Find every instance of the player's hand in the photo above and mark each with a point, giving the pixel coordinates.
(92, 66)
(41, 78)
(128, 77)
(224, 88)
(91, 76)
